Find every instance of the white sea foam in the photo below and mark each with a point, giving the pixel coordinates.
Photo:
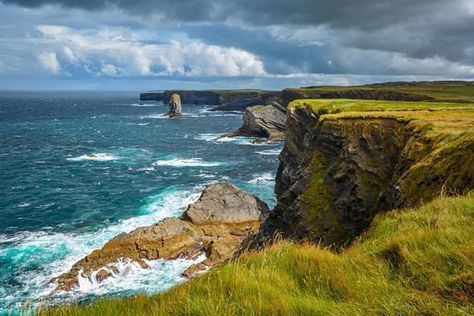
(129, 275)
(265, 178)
(57, 252)
(240, 140)
(147, 104)
(269, 152)
(179, 162)
(95, 157)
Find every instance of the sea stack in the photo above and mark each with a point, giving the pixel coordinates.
(175, 106)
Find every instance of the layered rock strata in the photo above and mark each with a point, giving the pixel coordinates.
(338, 171)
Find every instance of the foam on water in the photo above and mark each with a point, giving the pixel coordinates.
(269, 152)
(180, 162)
(266, 178)
(95, 157)
(240, 140)
(55, 253)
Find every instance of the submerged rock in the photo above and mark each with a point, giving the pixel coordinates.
(175, 106)
(266, 121)
(216, 225)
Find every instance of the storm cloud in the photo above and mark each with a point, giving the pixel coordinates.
(259, 38)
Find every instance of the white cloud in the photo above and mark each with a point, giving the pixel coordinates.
(48, 61)
(69, 55)
(107, 51)
(109, 70)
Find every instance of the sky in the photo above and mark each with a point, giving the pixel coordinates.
(145, 45)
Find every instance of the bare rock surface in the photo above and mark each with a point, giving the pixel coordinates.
(266, 121)
(225, 203)
(216, 225)
(176, 108)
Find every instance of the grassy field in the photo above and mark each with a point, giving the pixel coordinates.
(438, 117)
(439, 91)
(411, 262)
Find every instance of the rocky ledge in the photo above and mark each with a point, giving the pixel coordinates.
(215, 225)
(266, 121)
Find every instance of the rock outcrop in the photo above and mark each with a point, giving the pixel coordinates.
(175, 106)
(215, 225)
(266, 121)
(337, 172)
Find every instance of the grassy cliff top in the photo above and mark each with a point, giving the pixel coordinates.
(449, 118)
(412, 262)
(439, 91)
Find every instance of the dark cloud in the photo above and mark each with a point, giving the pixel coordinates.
(420, 29)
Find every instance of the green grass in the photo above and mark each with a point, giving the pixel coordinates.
(410, 262)
(437, 117)
(439, 91)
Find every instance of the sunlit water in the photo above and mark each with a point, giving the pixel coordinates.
(79, 168)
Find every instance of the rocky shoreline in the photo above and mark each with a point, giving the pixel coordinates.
(215, 225)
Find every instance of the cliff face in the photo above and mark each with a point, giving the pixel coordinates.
(232, 100)
(338, 171)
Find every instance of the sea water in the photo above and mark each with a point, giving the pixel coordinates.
(78, 168)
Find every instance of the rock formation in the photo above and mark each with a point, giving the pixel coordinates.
(267, 121)
(175, 106)
(215, 225)
(337, 172)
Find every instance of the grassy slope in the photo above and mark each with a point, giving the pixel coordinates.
(455, 91)
(417, 261)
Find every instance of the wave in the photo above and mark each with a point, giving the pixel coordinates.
(269, 152)
(129, 275)
(240, 140)
(95, 157)
(265, 178)
(146, 104)
(179, 162)
(55, 253)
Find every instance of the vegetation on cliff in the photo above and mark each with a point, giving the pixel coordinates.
(410, 262)
(457, 91)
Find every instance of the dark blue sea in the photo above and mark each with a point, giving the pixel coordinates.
(77, 169)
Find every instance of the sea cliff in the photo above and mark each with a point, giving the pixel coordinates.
(345, 161)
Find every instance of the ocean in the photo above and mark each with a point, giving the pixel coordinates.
(78, 168)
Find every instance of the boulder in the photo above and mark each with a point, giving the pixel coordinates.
(215, 225)
(175, 106)
(225, 203)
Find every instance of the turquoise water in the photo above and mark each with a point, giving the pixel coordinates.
(79, 168)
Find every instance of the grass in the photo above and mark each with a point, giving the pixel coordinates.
(412, 262)
(439, 91)
(437, 117)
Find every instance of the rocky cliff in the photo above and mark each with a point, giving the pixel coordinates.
(215, 225)
(224, 100)
(344, 161)
(266, 121)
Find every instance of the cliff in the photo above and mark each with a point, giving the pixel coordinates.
(344, 161)
(224, 100)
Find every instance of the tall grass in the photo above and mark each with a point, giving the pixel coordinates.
(410, 262)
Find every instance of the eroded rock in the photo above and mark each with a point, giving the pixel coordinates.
(215, 225)
(175, 106)
(266, 121)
